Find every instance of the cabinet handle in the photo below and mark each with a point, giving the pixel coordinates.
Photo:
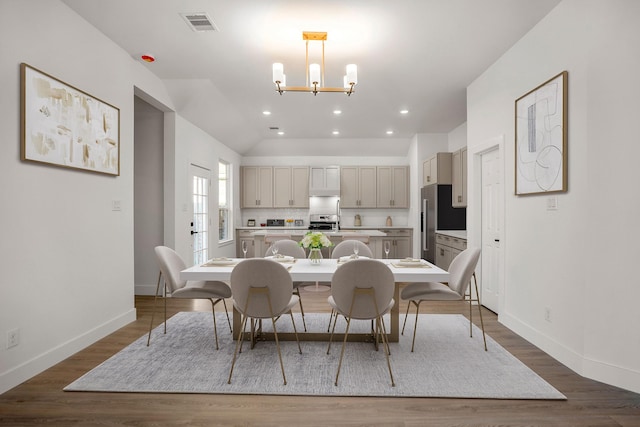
(428, 178)
(459, 198)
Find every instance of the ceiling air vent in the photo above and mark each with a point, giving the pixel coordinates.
(199, 22)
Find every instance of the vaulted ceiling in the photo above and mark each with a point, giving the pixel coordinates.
(418, 55)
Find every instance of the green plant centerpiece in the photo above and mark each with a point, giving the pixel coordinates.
(315, 241)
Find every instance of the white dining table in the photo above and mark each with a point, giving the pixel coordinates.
(302, 270)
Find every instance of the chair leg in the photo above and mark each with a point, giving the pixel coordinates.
(153, 312)
(344, 342)
(387, 351)
(238, 344)
(405, 317)
(415, 325)
(484, 338)
(215, 326)
(275, 335)
(227, 312)
(296, 291)
(295, 331)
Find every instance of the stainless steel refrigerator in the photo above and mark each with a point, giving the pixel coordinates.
(438, 214)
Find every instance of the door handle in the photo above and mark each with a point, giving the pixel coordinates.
(194, 232)
(496, 240)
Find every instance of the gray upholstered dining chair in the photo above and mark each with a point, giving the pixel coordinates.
(461, 270)
(170, 265)
(362, 289)
(262, 289)
(345, 248)
(290, 248)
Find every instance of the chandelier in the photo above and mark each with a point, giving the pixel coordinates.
(315, 72)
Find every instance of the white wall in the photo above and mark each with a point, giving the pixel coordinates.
(576, 260)
(457, 138)
(67, 258)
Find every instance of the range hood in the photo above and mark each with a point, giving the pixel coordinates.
(324, 181)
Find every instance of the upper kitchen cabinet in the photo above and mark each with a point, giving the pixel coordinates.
(358, 186)
(437, 169)
(459, 178)
(324, 181)
(257, 187)
(393, 186)
(291, 187)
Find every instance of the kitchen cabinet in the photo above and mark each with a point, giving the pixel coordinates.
(400, 242)
(245, 236)
(324, 181)
(459, 178)
(358, 186)
(257, 187)
(291, 187)
(447, 248)
(392, 187)
(437, 169)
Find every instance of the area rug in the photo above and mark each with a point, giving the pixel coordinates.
(446, 363)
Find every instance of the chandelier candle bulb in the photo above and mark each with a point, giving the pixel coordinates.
(352, 74)
(314, 74)
(278, 72)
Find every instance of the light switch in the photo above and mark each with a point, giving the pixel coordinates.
(552, 203)
(115, 205)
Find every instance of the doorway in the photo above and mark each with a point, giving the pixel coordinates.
(200, 180)
(487, 219)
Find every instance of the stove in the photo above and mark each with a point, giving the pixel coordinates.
(323, 221)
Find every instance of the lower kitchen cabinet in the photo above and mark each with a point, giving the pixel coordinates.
(400, 243)
(447, 248)
(245, 236)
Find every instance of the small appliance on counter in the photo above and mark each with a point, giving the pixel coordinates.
(323, 221)
(251, 223)
(275, 223)
(357, 221)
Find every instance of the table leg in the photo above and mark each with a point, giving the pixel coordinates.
(394, 333)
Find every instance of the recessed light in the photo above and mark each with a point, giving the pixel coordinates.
(336, 132)
(337, 112)
(389, 132)
(281, 133)
(266, 113)
(404, 111)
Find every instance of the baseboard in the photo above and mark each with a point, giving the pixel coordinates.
(30, 368)
(145, 289)
(588, 368)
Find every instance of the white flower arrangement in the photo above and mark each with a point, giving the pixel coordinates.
(315, 240)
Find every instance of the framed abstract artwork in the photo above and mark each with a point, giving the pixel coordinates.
(64, 126)
(541, 138)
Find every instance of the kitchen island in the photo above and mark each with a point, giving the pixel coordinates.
(261, 238)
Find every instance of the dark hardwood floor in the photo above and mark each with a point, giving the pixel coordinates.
(41, 401)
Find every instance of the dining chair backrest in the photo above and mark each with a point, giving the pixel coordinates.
(461, 269)
(362, 274)
(356, 236)
(274, 237)
(261, 273)
(345, 248)
(286, 247)
(170, 265)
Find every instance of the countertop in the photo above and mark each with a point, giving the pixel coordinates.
(294, 232)
(346, 227)
(460, 234)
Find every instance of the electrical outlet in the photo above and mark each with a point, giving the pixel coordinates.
(547, 314)
(13, 338)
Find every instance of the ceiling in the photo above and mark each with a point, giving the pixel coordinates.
(418, 55)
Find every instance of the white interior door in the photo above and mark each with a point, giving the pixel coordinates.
(492, 223)
(200, 182)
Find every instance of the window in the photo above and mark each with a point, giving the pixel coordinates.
(224, 201)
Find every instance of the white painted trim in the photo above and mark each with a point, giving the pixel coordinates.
(30, 368)
(474, 214)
